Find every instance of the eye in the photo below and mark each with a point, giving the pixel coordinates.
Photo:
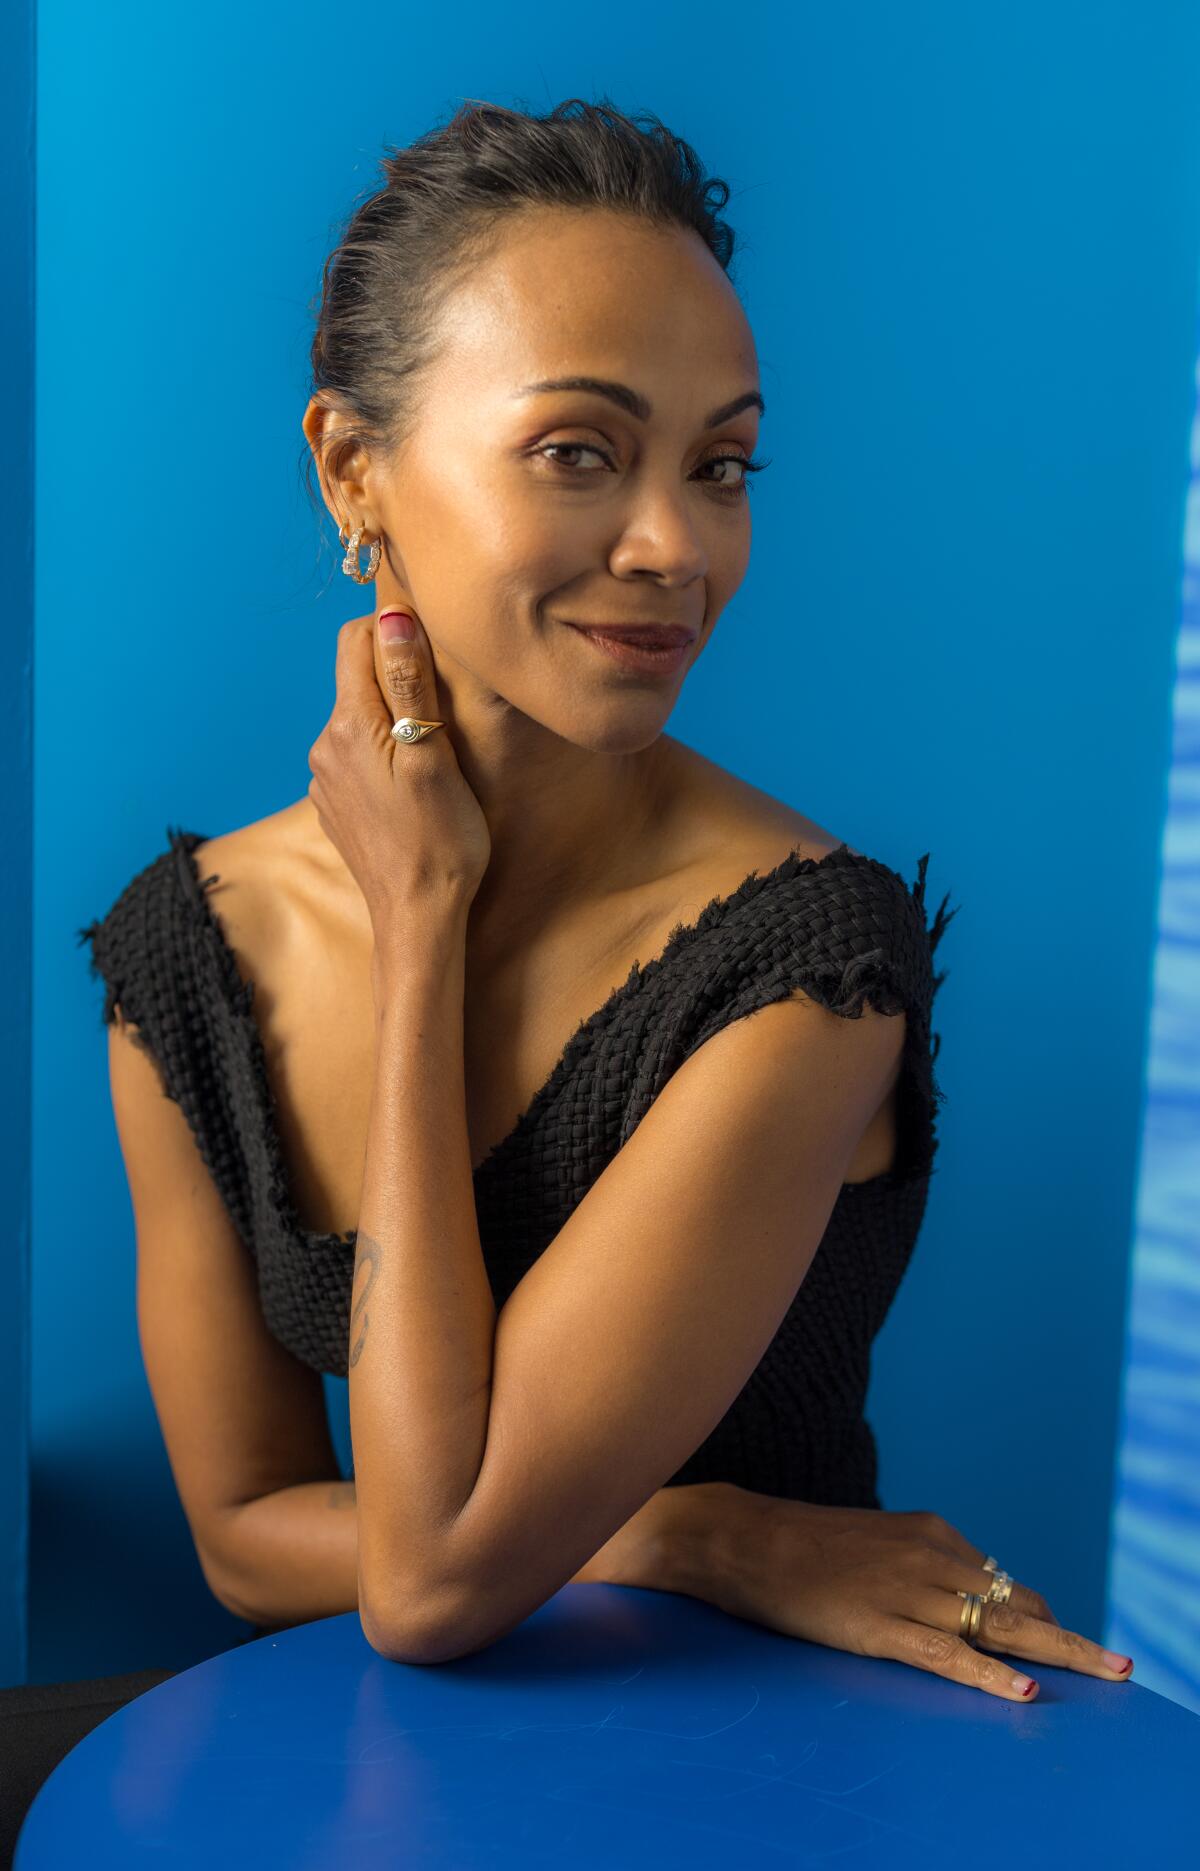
(571, 448)
(728, 491)
(748, 466)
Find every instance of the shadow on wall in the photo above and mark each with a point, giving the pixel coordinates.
(78, 1492)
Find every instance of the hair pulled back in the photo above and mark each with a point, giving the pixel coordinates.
(443, 201)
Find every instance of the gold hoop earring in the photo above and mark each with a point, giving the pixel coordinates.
(350, 562)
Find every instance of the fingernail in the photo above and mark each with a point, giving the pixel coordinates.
(1024, 1685)
(1115, 1662)
(397, 624)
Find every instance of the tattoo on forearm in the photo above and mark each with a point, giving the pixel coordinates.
(342, 1494)
(370, 1252)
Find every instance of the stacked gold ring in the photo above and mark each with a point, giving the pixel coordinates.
(998, 1593)
(972, 1612)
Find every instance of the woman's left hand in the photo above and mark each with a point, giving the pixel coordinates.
(881, 1583)
(404, 819)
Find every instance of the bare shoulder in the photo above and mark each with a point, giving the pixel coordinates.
(732, 816)
(266, 874)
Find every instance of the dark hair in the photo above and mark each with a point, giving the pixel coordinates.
(404, 247)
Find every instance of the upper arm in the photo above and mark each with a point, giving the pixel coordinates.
(632, 1334)
(240, 1416)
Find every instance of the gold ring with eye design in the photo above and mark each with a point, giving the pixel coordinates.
(408, 728)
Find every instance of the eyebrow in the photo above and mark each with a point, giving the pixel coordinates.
(634, 403)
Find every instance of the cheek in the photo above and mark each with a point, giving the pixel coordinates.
(728, 564)
(498, 550)
(514, 573)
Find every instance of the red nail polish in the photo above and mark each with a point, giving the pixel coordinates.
(1031, 1689)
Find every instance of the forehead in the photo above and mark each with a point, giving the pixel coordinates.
(573, 292)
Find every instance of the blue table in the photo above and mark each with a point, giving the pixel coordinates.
(616, 1727)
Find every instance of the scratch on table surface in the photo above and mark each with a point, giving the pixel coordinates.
(782, 1778)
(871, 1819)
(840, 1793)
(672, 1734)
(629, 1728)
(795, 1851)
(788, 1775)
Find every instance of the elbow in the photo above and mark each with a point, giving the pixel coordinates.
(435, 1616)
(227, 1593)
(411, 1611)
(423, 1632)
(435, 1622)
(417, 1624)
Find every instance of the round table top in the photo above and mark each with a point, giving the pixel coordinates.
(616, 1726)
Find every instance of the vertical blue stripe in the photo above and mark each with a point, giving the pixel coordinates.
(1154, 1581)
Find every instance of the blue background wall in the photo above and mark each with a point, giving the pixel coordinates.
(970, 258)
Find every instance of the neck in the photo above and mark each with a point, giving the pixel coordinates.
(568, 824)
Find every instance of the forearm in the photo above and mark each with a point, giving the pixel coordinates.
(423, 1320)
(682, 1540)
(292, 1556)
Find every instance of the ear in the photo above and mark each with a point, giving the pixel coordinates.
(343, 463)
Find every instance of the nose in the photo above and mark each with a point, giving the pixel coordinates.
(661, 537)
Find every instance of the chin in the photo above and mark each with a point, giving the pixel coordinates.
(618, 737)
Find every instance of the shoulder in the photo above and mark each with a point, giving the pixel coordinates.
(787, 860)
(150, 943)
(848, 927)
(276, 885)
(251, 876)
(721, 821)
(135, 943)
(283, 912)
(815, 920)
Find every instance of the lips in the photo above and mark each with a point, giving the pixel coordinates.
(649, 636)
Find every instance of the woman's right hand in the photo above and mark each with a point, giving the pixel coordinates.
(885, 1585)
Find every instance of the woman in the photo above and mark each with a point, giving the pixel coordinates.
(429, 1117)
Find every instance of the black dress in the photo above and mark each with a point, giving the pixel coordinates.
(844, 928)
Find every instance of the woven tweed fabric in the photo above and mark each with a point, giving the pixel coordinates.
(844, 928)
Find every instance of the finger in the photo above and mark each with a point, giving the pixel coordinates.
(406, 675)
(927, 1648)
(940, 1533)
(1002, 1627)
(1021, 1598)
(1016, 1627)
(940, 1569)
(357, 691)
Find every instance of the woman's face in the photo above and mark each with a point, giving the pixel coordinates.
(510, 511)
